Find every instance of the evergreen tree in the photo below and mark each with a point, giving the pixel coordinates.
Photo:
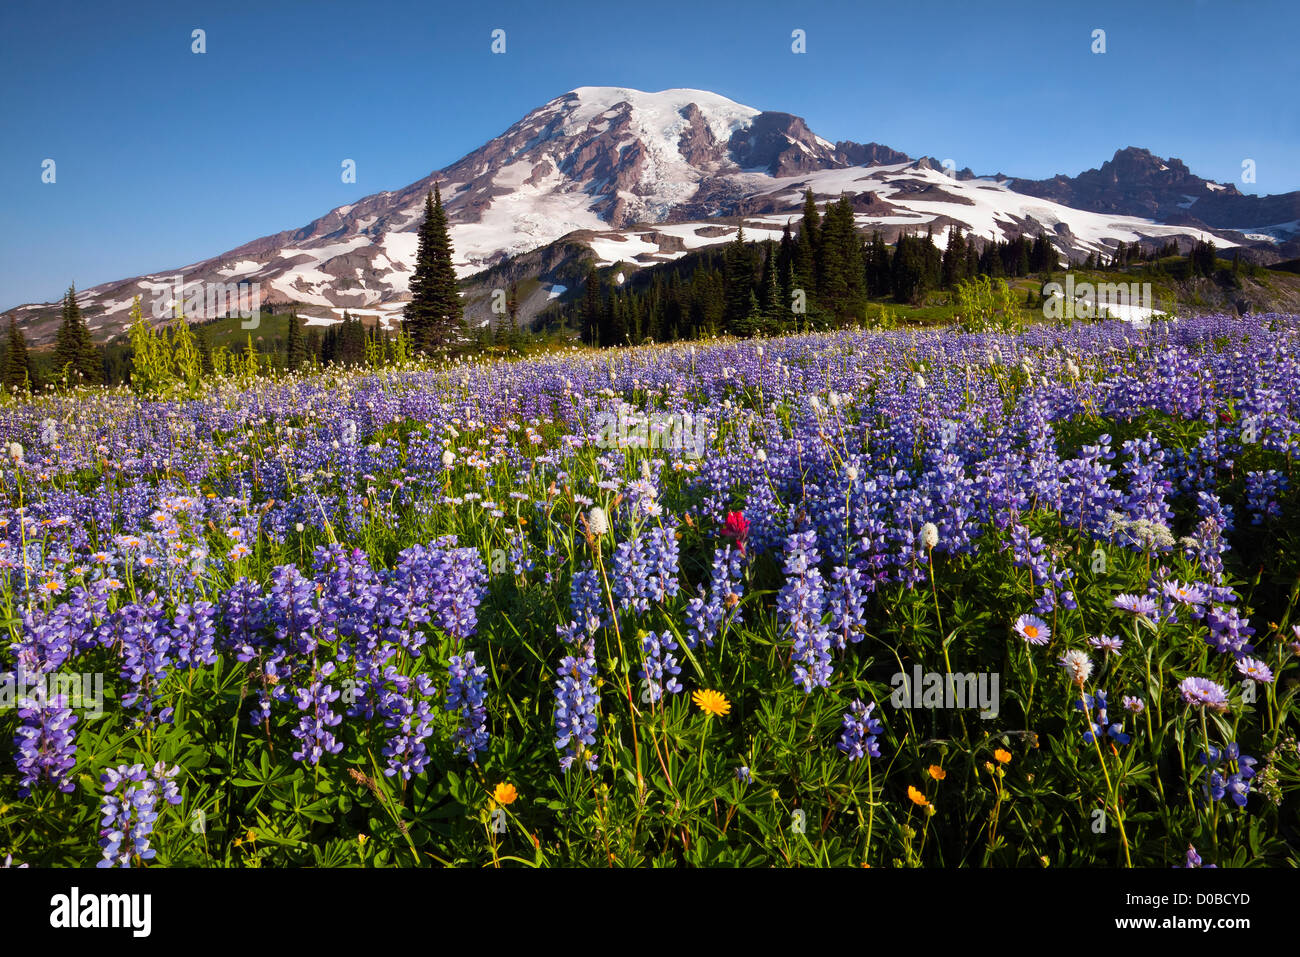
(313, 346)
(785, 267)
(807, 248)
(1044, 257)
(954, 259)
(972, 259)
(738, 270)
(436, 311)
(295, 352)
(770, 305)
(74, 350)
(18, 364)
(205, 350)
(1203, 258)
(591, 310)
(879, 281)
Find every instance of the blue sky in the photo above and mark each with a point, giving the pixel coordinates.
(165, 157)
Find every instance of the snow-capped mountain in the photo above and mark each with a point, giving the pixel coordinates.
(643, 177)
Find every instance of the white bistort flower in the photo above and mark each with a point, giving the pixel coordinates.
(1077, 665)
(929, 535)
(598, 521)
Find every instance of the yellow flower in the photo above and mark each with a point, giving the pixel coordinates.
(505, 794)
(712, 702)
(1002, 756)
(361, 839)
(937, 772)
(988, 766)
(917, 797)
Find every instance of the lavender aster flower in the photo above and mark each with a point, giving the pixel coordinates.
(1255, 670)
(1204, 693)
(1033, 630)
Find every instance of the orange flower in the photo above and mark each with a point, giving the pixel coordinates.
(937, 772)
(917, 797)
(505, 794)
(1002, 756)
(712, 702)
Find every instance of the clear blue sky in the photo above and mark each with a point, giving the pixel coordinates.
(165, 157)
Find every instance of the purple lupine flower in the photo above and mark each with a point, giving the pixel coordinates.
(847, 602)
(646, 569)
(146, 655)
(575, 709)
(708, 613)
(467, 692)
(587, 601)
(659, 666)
(800, 606)
(1262, 492)
(405, 706)
(131, 813)
(193, 633)
(1099, 725)
(858, 737)
(318, 717)
(46, 744)
(1230, 773)
(1229, 632)
(1193, 859)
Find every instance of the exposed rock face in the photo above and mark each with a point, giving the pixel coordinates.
(1135, 182)
(599, 160)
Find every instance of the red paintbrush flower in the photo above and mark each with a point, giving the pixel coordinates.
(737, 527)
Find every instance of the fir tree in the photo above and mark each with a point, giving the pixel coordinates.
(954, 259)
(591, 310)
(738, 270)
(295, 352)
(18, 365)
(807, 248)
(74, 350)
(436, 311)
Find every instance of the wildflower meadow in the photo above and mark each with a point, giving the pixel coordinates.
(915, 598)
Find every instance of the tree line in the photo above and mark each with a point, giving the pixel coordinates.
(824, 274)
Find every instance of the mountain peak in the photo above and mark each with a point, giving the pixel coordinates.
(639, 176)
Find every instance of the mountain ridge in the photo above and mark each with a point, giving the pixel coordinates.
(617, 164)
